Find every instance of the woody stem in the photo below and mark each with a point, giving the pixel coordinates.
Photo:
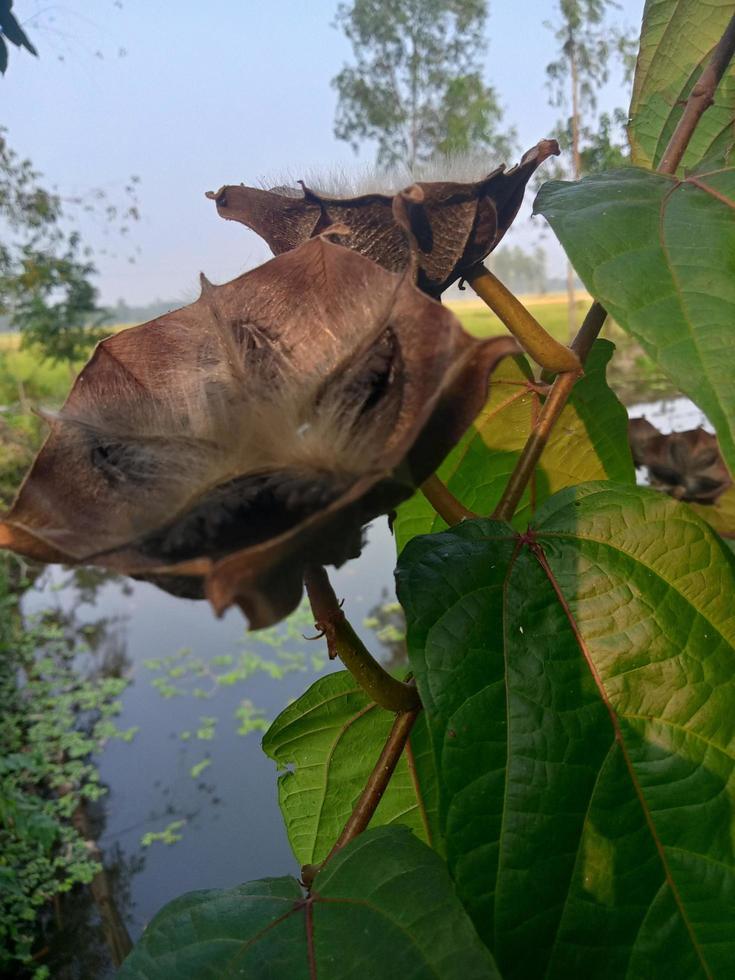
(372, 794)
(549, 353)
(378, 780)
(444, 502)
(550, 412)
(343, 642)
(552, 409)
(700, 99)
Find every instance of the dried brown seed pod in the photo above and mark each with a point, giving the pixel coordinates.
(686, 465)
(220, 448)
(455, 226)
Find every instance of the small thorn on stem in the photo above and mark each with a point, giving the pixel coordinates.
(317, 636)
(343, 642)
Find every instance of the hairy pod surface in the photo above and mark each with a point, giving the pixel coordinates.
(455, 226)
(220, 448)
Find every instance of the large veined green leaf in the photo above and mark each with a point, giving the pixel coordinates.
(590, 442)
(579, 682)
(720, 515)
(676, 41)
(326, 744)
(384, 907)
(659, 254)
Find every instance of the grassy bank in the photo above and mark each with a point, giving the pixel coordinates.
(26, 379)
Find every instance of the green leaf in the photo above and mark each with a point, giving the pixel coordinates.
(383, 907)
(721, 514)
(326, 744)
(580, 688)
(659, 254)
(41, 827)
(590, 442)
(169, 835)
(677, 40)
(3, 57)
(197, 769)
(14, 32)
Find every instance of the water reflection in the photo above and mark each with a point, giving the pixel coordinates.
(78, 933)
(196, 683)
(388, 622)
(56, 657)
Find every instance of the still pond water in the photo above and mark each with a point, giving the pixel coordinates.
(231, 829)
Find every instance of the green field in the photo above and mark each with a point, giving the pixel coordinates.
(27, 380)
(25, 377)
(550, 311)
(631, 373)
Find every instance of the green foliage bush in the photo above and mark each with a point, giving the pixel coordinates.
(51, 723)
(47, 289)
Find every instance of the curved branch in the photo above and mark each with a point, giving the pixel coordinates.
(549, 353)
(378, 780)
(444, 502)
(343, 642)
(550, 412)
(372, 794)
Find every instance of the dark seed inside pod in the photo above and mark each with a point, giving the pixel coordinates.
(242, 512)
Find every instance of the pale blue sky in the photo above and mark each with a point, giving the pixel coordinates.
(214, 93)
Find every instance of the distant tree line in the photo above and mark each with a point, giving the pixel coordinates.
(123, 312)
